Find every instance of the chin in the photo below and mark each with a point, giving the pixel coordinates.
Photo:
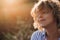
(43, 25)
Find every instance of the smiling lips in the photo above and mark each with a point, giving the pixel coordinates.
(41, 19)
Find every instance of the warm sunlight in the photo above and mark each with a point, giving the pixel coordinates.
(10, 1)
(10, 6)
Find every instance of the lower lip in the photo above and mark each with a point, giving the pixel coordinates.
(42, 20)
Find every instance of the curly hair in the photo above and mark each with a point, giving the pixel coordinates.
(50, 5)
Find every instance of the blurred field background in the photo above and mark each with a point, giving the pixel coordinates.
(15, 19)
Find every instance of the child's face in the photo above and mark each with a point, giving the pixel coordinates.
(43, 17)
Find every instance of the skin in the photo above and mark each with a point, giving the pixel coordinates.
(46, 20)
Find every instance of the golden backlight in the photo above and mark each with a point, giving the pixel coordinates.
(10, 6)
(11, 10)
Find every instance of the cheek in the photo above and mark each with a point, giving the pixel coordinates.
(49, 18)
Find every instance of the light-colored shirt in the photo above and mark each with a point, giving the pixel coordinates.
(37, 35)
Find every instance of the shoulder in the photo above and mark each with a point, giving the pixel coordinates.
(36, 32)
(35, 35)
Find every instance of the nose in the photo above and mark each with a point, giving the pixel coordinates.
(40, 16)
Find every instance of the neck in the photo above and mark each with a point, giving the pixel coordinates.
(52, 31)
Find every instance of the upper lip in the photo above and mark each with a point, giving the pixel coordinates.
(41, 19)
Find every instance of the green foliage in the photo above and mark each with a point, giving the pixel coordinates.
(7, 36)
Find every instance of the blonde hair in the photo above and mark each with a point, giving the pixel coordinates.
(53, 5)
